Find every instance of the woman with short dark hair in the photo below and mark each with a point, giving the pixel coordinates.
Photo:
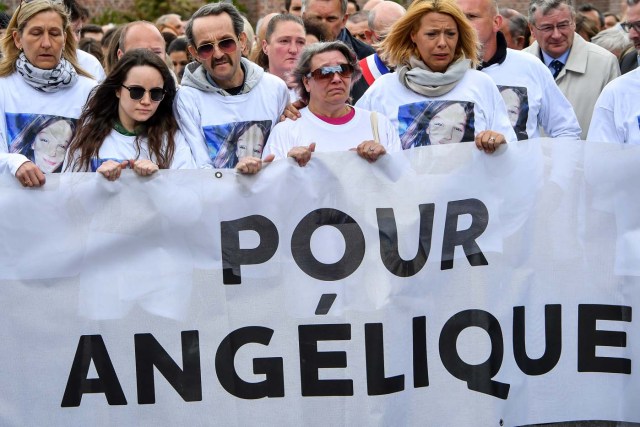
(324, 76)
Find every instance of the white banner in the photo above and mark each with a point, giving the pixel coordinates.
(438, 286)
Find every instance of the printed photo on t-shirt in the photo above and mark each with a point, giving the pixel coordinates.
(230, 142)
(435, 122)
(517, 102)
(43, 139)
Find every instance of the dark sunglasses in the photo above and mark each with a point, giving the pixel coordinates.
(137, 92)
(226, 45)
(326, 73)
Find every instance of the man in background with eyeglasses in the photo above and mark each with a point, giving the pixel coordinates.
(225, 98)
(532, 98)
(631, 60)
(581, 69)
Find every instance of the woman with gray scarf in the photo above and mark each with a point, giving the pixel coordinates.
(40, 83)
(436, 96)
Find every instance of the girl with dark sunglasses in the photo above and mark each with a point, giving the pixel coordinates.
(129, 122)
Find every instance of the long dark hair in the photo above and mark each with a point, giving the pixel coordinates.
(101, 113)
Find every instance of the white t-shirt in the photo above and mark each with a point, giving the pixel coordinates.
(533, 98)
(329, 137)
(38, 126)
(119, 147)
(472, 106)
(213, 124)
(91, 64)
(616, 116)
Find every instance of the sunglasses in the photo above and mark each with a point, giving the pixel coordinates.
(137, 92)
(326, 73)
(226, 45)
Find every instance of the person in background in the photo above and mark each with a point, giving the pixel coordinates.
(179, 55)
(581, 69)
(92, 47)
(352, 7)
(111, 55)
(315, 32)
(610, 20)
(4, 22)
(92, 31)
(34, 87)
(285, 39)
(593, 14)
(515, 29)
(358, 26)
(381, 18)
(88, 62)
(631, 26)
(585, 27)
(251, 37)
(129, 122)
(333, 15)
(322, 77)
(434, 48)
(170, 23)
(525, 84)
(293, 7)
(614, 40)
(141, 35)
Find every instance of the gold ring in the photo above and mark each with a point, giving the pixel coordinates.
(492, 139)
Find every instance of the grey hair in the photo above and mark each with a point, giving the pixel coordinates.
(545, 6)
(215, 9)
(304, 64)
(358, 17)
(612, 39)
(343, 5)
(517, 22)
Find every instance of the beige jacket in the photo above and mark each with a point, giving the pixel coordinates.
(588, 70)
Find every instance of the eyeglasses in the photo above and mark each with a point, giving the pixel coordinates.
(549, 28)
(137, 92)
(326, 73)
(627, 26)
(225, 45)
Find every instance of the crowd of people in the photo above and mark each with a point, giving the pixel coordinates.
(321, 75)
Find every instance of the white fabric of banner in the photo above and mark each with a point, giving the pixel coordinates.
(437, 286)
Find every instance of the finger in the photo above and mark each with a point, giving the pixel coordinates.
(37, 177)
(269, 158)
(312, 147)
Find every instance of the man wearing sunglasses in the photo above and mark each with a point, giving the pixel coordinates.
(222, 93)
(581, 69)
(631, 60)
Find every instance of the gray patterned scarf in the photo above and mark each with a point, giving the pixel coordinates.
(60, 77)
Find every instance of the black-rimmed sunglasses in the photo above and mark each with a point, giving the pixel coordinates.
(205, 50)
(137, 92)
(325, 73)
